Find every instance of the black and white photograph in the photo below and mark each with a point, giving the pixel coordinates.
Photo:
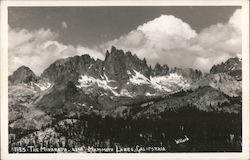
(125, 79)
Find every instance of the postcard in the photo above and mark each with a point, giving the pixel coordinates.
(124, 80)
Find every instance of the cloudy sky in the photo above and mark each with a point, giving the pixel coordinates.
(195, 37)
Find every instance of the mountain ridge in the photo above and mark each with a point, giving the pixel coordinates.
(119, 85)
(122, 72)
(91, 65)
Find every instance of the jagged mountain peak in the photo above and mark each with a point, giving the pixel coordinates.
(160, 70)
(77, 58)
(125, 72)
(232, 67)
(118, 63)
(22, 75)
(232, 64)
(69, 68)
(119, 53)
(81, 83)
(189, 73)
(114, 67)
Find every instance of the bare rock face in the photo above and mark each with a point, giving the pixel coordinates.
(225, 77)
(222, 82)
(22, 75)
(189, 73)
(226, 83)
(23, 112)
(115, 66)
(232, 66)
(160, 70)
(118, 64)
(68, 69)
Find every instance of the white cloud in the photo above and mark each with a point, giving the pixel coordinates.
(166, 39)
(236, 19)
(93, 53)
(38, 49)
(219, 42)
(64, 25)
(167, 25)
(169, 40)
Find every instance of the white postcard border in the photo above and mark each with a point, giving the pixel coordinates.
(245, 82)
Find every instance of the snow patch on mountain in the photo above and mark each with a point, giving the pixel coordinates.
(87, 81)
(149, 94)
(42, 85)
(125, 92)
(90, 66)
(139, 78)
(166, 82)
(80, 104)
(107, 79)
(147, 104)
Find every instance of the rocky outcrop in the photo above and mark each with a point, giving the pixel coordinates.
(115, 67)
(68, 69)
(189, 73)
(22, 75)
(231, 65)
(160, 70)
(118, 65)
